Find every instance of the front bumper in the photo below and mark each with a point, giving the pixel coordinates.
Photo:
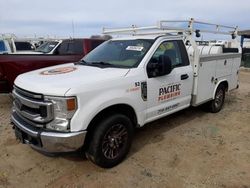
(45, 141)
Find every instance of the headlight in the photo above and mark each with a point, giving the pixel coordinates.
(64, 109)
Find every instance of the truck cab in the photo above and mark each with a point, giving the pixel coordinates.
(95, 104)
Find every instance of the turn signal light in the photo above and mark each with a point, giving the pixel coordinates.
(71, 104)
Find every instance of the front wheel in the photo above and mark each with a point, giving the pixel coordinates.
(217, 103)
(111, 141)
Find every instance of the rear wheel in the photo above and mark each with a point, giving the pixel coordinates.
(217, 103)
(111, 141)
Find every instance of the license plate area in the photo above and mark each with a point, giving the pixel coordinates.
(24, 138)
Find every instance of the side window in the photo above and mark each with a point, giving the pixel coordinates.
(71, 47)
(95, 43)
(76, 47)
(170, 49)
(62, 49)
(22, 46)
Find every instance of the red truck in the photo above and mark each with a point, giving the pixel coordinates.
(70, 50)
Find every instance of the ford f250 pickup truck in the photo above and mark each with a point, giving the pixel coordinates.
(70, 50)
(95, 104)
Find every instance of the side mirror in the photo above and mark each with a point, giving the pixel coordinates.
(159, 67)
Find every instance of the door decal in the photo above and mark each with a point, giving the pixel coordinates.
(169, 92)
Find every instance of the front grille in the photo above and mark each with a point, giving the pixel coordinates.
(32, 107)
(28, 94)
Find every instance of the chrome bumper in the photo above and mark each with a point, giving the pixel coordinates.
(51, 142)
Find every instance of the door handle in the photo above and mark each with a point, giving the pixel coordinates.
(184, 76)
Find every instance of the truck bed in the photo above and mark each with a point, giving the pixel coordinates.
(212, 70)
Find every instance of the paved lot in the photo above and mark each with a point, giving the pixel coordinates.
(189, 149)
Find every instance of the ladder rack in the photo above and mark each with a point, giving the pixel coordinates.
(10, 36)
(162, 27)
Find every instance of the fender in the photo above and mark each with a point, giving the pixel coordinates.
(108, 104)
(219, 82)
(92, 107)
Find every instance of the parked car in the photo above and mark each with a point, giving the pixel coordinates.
(11, 65)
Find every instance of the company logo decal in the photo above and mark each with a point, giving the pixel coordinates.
(136, 87)
(169, 92)
(62, 70)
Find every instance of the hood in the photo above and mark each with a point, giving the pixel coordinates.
(57, 80)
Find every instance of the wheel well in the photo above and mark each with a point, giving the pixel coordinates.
(119, 108)
(225, 83)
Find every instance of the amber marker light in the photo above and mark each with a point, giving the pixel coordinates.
(71, 104)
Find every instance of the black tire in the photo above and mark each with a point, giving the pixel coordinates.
(110, 141)
(217, 103)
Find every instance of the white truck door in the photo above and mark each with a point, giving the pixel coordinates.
(172, 92)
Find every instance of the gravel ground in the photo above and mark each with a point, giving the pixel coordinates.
(189, 149)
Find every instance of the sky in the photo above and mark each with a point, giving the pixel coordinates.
(83, 18)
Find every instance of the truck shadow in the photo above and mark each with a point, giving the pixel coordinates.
(154, 132)
(151, 132)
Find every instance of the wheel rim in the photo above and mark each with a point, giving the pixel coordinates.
(114, 141)
(219, 99)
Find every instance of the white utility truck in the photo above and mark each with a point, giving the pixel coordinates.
(94, 105)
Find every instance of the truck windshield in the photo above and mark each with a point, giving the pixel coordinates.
(47, 47)
(119, 53)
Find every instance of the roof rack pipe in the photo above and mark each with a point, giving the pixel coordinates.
(155, 33)
(216, 32)
(217, 25)
(176, 21)
(193, 21)
(131, 29)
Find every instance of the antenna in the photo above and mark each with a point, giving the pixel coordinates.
(73, 28)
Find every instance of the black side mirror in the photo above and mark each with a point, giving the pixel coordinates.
(159, 67)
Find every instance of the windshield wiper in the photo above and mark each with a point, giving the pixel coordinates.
(102, 63)
(81, 62)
